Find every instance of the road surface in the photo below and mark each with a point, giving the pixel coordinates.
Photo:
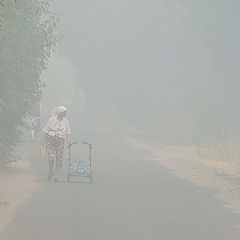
(131, 199)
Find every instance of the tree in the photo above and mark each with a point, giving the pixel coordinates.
(29, 37)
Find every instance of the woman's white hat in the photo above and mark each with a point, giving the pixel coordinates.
(58, 110)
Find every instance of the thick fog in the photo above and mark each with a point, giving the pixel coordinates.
(151, 135)
(165, 67)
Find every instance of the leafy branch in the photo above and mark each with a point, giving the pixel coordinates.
(31, 35)
(3, 5)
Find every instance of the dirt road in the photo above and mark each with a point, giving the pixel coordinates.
(131, 198)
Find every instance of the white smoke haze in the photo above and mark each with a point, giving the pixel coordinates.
(153, 85)
(158, 66)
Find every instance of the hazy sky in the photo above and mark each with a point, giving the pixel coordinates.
(153, 60)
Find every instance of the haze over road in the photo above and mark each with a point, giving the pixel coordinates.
(131, 198)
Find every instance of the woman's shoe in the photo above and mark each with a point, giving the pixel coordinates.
(49, 178)
(55, 179)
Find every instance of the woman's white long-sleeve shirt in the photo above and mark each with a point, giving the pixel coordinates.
(54, 127)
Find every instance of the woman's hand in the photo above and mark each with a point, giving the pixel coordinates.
(42, 145)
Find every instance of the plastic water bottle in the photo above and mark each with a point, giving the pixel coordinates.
(42, 153)
(75, 167)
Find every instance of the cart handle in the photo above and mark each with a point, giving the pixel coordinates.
(70, 145)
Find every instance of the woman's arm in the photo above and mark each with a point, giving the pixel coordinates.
(68, 138)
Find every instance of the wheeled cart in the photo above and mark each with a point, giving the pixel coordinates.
(80, 167)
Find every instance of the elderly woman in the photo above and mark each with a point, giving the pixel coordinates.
(55, 132)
